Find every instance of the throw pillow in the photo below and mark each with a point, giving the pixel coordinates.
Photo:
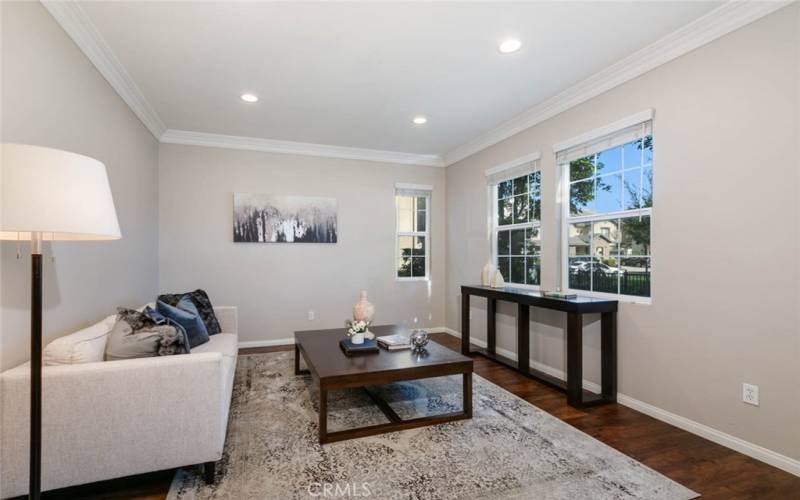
(202, 303)
(187, 316)
(84, 346)
(146, 340)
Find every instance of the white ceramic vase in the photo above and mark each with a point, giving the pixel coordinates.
(363, 310)
(357, 338)
(498, 281)
(487, 274)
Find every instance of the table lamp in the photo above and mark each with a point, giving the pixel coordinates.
(50, 195)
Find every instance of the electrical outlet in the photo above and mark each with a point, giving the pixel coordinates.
(430, 316)
(312, 315)
(750, 394)
(470, 315)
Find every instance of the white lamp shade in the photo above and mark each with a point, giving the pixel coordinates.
(62, 195)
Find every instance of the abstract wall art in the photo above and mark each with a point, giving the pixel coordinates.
(265, 218)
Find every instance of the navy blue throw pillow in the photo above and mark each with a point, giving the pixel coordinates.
(186, 315)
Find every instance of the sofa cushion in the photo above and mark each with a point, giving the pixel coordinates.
(84, 346)
(202, 302)
(226, 343)
(187, 316)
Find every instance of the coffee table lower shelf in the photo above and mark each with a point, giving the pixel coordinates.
(396, 423)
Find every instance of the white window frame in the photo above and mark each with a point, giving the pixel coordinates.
(566, 219)
(418, 191)
(533, 160)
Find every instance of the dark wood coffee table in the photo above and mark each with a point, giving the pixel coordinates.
(332, 370)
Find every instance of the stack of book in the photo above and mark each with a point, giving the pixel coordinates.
(351, 349)
(559, 295)
(394, 342)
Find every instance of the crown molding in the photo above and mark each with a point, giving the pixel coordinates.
(83, 32)
(189, 138)
(720, 21)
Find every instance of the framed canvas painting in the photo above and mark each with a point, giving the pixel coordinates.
(266, 218)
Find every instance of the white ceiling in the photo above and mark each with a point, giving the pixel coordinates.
(355, 74)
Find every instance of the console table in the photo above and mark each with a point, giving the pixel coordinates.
(575, 309)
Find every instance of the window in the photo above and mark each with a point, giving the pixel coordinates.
(413, 231)
(515, 192)
(608, 182)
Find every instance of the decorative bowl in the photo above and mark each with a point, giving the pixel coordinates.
(419, 339)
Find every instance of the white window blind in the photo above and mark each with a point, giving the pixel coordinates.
(622, 132)
(517, 168)
(412, 189)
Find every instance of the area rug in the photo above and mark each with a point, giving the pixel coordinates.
(509, 449)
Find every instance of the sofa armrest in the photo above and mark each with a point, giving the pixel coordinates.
(228, 317)
(114, 418)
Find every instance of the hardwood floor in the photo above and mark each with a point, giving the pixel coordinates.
(712, 470)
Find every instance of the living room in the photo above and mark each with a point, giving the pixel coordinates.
(400, 250)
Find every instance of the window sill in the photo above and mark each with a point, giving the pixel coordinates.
(413, 279)
(625, 299)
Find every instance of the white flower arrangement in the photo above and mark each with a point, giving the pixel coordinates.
(355, 327)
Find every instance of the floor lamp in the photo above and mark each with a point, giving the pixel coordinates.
(50, 195)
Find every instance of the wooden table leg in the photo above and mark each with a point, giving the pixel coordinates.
(467, 394)
(574, 359)
(323, 415)
(465, 324)
(523, 338)
(296, 360)
(608, 355)
(491, 325)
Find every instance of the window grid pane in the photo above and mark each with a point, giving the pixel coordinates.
(518, 203)
(412, 233)
(611, 255)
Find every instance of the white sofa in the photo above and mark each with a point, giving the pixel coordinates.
(111, 419)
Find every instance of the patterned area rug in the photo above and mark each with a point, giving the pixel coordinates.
(510, 449)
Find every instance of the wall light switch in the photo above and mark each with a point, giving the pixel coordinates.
(750, 394)
(312, 315)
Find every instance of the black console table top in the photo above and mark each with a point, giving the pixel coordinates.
(575, 309)
(579, 304)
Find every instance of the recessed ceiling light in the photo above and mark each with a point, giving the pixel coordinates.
(249, 98)
(420, 120)
(509, 46)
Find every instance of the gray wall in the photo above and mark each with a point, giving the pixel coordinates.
(725, 235)
(276, 284)
(53, 96)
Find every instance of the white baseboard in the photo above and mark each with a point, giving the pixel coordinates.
(765, 455)
(753, 450)
(265, 343)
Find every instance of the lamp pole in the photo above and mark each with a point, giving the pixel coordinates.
(34, 490)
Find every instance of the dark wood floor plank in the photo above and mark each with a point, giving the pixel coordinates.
(718, 473)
